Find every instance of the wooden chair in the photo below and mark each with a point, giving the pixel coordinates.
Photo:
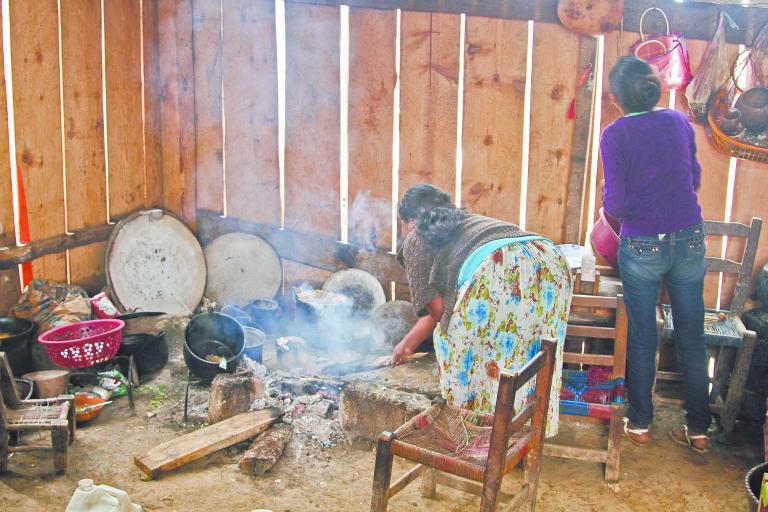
(600, 414)
(490, 446)
(728, 340)
(16, 415)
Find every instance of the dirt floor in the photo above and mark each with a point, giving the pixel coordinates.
(326, 471)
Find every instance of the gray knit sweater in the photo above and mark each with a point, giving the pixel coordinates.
(434, 270)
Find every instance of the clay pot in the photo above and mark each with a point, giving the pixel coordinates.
(730, 122)
(753, 105)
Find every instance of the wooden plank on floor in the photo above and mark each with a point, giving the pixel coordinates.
(312, 119)
(125, 137)
(196, 445)
(37, 118)
(429, 73)
(9, 279)
(209, 126)
(552, 87)
(495, 56)
(85, 162)
(153, 155)
(250, 108)
(177, 108)
(372, 76)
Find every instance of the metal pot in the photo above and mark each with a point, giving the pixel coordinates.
(753, 481)
(264, 312)
(16, 344)
(753, 105)
(149, 350)
(208, 338)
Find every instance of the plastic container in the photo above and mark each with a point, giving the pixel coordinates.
(100, 498)
(605, 238)
(83, 344)
(87, 406)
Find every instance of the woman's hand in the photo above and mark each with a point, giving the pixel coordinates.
(401, 350)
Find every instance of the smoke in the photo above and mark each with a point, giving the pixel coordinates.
(370, 220)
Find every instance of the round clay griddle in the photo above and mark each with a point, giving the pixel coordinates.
(362, 287)
(391, 321)
(155, 263)
(241, 268)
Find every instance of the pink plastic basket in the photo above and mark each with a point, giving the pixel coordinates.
(83, 344)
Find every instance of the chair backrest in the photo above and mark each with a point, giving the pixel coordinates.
(9, 395)
(618, 333)
(743, 268)
(540, 366)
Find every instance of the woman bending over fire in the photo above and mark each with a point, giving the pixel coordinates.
(489, 291)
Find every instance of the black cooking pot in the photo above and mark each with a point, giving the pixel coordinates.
(753, 481)
(208, 338)
(16, 346)
(264, 312)
(149, 350)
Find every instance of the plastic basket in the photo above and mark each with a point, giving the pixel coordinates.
(728, 145)
(83, 344)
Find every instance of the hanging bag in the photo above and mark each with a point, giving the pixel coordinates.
(666, 53)
(711, 74)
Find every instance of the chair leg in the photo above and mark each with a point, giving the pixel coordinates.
(3, 448)
(531, 476)
(382, 473)
(59, 439)
(71, 421)
(429, 483)
(614, 444)
(490, 494)
(736, 386)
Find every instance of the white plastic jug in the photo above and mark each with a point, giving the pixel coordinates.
(100, 498)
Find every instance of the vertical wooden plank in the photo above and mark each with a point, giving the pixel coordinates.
(312, 119)
(372, 76)
(250, 106)
(85, 164)
(551, 140)
(494, 96)
(9, 279)
(714, 173)
(122, 54)
(209, 128)
(37, 118)
(153, 156)
(177, 108)
(429, 74)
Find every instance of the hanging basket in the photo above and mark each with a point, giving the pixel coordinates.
(726, 144)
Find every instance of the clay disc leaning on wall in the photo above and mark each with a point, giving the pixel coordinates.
(362, 287)
(241, 268)
(155, 263)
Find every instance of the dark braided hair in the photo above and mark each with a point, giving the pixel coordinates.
(634, 85)
(436, 216)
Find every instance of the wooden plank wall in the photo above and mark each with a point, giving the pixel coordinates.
(208, 135)
(86, 127)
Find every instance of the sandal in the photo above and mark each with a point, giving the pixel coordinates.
(639, 436)
(699, 443)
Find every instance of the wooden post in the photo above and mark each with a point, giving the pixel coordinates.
(59, 440)
(382, 473)
(429, 483)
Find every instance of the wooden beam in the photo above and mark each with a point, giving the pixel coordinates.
(195, 445)
(319, 251)
(694, 19)
(15, 255)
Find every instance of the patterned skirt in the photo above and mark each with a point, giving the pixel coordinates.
(519, 294)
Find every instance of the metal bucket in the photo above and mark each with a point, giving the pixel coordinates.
(752, 482)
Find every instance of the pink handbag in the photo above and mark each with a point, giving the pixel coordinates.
(666, 53)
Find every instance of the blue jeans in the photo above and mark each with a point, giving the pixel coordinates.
(677, 260)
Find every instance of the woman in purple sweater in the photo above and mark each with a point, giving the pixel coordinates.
(651, 178)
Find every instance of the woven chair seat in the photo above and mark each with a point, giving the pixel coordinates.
(35, 415)
(444, 434)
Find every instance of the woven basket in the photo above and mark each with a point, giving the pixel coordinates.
(726, 144)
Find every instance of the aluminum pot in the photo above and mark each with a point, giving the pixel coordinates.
(209, 338)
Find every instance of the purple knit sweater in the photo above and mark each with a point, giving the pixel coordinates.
(651, 173)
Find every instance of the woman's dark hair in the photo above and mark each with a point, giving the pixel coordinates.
(436, 216)
(634, 85)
